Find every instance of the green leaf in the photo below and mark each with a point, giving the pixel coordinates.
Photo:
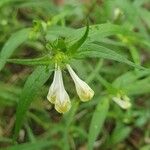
(94, 50)
(135, 88)
(97, 122)
(135, 80)
(119, 134)
(72, 49)
(31, 146)
(33, 84)
(54, 32)
(69, 117)
(34, 3)
(96, 33)
(145, 147)
(4, 2)
(45, 60)
(130, 77)
(13, 42)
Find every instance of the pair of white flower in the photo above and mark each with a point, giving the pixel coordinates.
(58, 95)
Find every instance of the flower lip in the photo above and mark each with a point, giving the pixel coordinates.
(84, 92)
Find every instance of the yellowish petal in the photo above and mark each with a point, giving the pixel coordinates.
(85, 93)
(63, 107)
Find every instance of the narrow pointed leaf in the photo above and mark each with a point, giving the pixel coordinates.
(45, 60)
(119, 134)
(94, 50)
(13, 42)
(33, 84)
(97, 122)
(77, 45)
(31, 146)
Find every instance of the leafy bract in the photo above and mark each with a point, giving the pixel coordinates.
(73, 48)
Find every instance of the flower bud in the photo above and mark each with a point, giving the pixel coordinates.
(122, 101)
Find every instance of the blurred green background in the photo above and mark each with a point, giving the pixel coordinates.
(96, 124)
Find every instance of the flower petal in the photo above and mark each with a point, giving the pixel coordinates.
(53, 88)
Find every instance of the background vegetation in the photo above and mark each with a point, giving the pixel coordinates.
(115, 57)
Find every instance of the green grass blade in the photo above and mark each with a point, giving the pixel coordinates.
(69, 121)
(119, 134)
(31, 146)
(33, 84)
(97, 122)
(13, 42)
(130, 78)
(69, 117)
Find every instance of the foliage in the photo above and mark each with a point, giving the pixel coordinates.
(106, 42)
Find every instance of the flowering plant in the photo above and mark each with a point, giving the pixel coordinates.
(83, 83)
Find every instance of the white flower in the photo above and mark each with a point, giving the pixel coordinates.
(122, 101)
(84, 92)
(57, 93)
